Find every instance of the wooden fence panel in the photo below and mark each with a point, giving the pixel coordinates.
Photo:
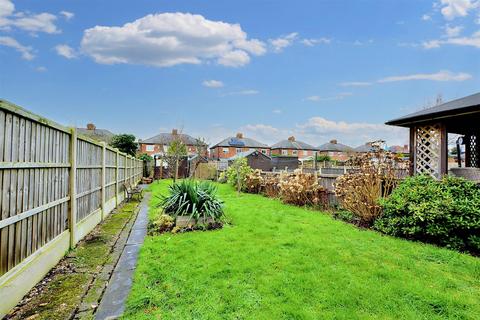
(34, 186)
(38, 195)
(89, 178)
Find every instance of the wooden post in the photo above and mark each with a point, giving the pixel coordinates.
(72, 218)
(116, 178)
(443, 151)
(412, 150)
(104, 150)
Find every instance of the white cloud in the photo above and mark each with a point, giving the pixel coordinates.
(318, 130)
(67, 15)
(41, 69)
(339, 96)
(282, 42)
(169, 39)
(25, 51)
(236, 58)
(277, 111)
(439, 76)
(472, 41)
(313, 42)
(6, 8)
(248, 92)
(212, 83)
(426, 17)
(65, 51)
(451, 32)
(356, 84)
(41, 22)
(457, 8)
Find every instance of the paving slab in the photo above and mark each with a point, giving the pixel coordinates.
(113, 301)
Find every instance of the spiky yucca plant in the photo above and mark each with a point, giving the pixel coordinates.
(198, 200)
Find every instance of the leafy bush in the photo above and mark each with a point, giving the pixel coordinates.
(241, 169)
(163, 223)
(270, 185)
(302, 189)
(360, 190)
(445, 212)
(198, 200)
(254, 182)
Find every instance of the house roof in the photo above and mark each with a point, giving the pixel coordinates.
(240, 143)
(367, 147)
(246, 154)
(167, 138)
(468, 104)
(293, 144)
(333, 145)
(97, 134)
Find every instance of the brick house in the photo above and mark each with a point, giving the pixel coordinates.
(231, 146)
(336, 151)
(159, 143)
(292, 147)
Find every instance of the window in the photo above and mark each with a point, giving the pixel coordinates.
(225, 150)
(149, 147)
(284, 152)
(239, 150)
(264, 151)
(294, 152)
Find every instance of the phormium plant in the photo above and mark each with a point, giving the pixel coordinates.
(197, 200)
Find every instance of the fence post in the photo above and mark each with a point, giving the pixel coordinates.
(104, 149)
(72, 218)
(116, 178)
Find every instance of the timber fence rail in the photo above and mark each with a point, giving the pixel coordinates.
(56, 186)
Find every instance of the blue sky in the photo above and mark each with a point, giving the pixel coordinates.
(318, 70)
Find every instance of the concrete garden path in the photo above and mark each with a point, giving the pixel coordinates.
(112, 304)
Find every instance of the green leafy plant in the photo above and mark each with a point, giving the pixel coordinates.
(197, 200)
(444, 212)
(238, 172)
(125, 143)
(163, 223)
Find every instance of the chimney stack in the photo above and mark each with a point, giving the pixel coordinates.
(91, 126)
(292, 138)
(239, 135)
(334, 141)
(174, 132)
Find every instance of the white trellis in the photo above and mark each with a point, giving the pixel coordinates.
(428, 149)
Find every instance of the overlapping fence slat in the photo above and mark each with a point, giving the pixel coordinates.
(51, 184)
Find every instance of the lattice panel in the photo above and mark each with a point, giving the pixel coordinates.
(474, 150)
(427, 149)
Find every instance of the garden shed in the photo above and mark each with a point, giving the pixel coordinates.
(429, 131)
(255, 159)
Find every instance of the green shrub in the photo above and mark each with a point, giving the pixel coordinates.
(241, 169)
(198, 200)
(444, 212)
(163, 223)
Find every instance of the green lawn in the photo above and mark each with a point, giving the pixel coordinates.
(282, 262)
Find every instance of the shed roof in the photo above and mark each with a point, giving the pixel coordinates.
(465, 105)
(246, 154)
(240, 143)
(333, 145)
(293, 144)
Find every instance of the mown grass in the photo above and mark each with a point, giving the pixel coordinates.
(282, 262)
